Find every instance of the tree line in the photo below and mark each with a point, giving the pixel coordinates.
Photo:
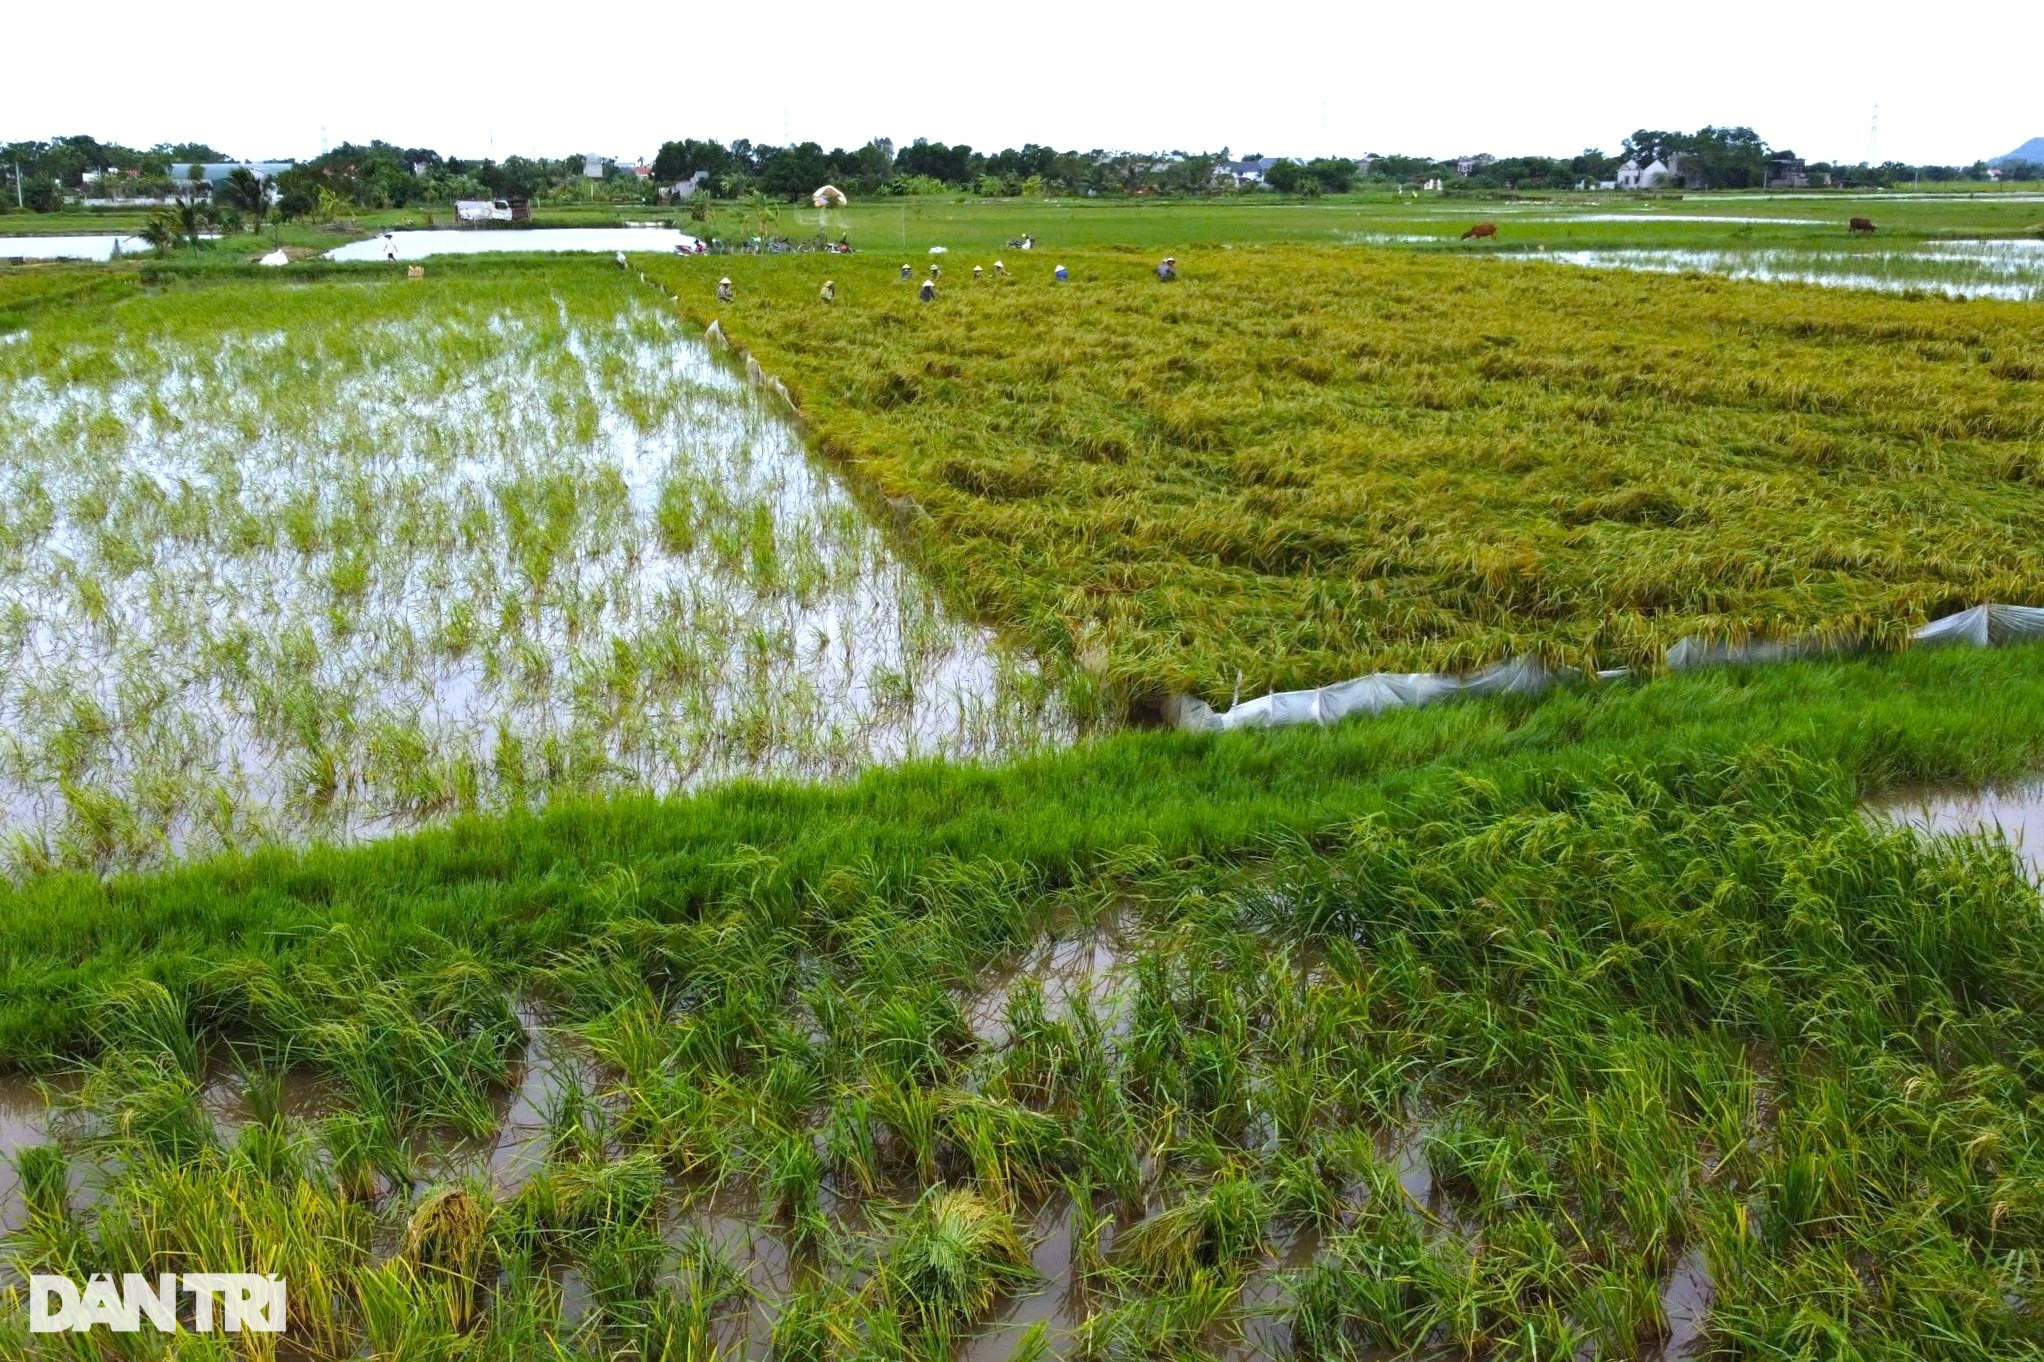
(382, 175)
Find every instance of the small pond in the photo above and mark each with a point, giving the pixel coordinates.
(70, 247)
(484, 241)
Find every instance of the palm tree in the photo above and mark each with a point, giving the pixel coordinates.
(191, 220)
(160, 232)
(245, 189)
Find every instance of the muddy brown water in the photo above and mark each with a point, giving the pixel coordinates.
(1077, 970)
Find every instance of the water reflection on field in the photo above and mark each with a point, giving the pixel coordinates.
(2010, 270)
(339, 578)
(2015, 814)
(419, 245)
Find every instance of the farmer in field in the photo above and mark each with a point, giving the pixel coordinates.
(905, 271)
(936, 270)
(621, 260)
(1000, 270)
(724, 290)
(928, 292)
(977, 274)
(1061, 274)
(390, 248)
(1167, 268)
(829, 291)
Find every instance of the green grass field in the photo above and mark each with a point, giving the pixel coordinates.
(353, 626)
(1560, 221)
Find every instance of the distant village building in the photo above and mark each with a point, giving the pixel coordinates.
(1469, 165)
(1787, 172)
(1678, 171)
(1244, 174)
(214, 172)
(686, 189)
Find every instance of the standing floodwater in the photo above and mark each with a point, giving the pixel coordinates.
(339, 560)
(2016, 815)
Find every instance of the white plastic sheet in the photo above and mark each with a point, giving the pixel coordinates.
(1372, 694)
(1983, 626)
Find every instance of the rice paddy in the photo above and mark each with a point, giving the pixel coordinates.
(331, 561)
(1596, 1025)
(505, 840)
(1297, 464)
(2011, 270)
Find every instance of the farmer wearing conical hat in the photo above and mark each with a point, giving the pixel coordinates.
(724, 290)
(829, 291)
(928, 292)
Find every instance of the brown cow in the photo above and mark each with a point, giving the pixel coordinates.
(1862, 225)
(1481, 229)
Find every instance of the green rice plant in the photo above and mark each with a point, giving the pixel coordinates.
(952, 1255)
(1211, 1230)
(45, 1175)
(447, 1245)
(1601, 1020)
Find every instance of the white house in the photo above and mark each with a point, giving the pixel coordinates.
(1655, 174)
(1244, 174)
(686, 189)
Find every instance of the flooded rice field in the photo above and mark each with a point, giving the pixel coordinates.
(2009, 270)
(2015, 815)
(105, 247)
(599, 1158)
(348, 563)
(421, 245)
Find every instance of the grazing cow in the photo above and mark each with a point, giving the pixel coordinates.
(1481, 229)
(1861, 225)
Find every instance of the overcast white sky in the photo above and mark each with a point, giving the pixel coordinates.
(1954, 81)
